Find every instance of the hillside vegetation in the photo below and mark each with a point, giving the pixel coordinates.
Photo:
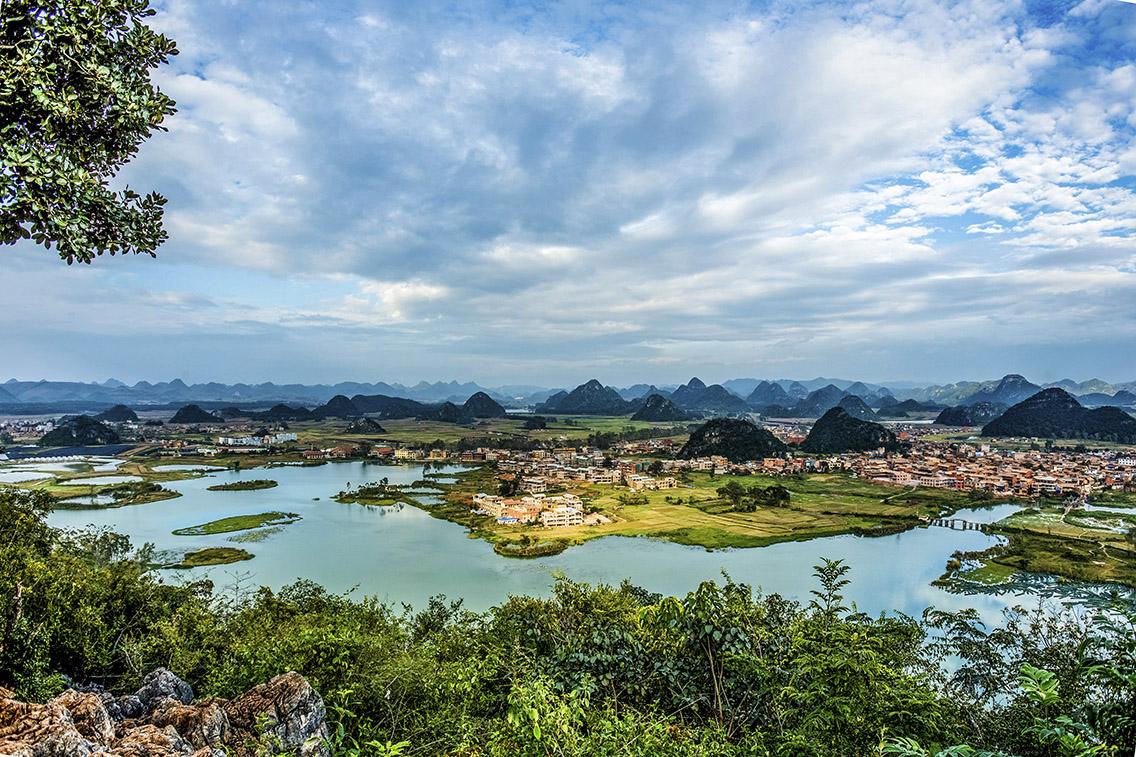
(589, 670)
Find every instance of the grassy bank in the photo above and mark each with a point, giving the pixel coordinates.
(694, 514)
(1091, 546)
(134, 493)
(238, 523)
(1085, 546)
(244, 486)
(212, 556)
(377, 495)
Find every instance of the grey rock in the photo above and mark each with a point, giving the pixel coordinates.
(288, 714)
(160, 684)
(129, 706)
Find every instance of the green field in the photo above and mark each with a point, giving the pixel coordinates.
(212, 556)
(238, 523)
(243, 486)
(413, 431)
(820, 505)
(1115, 499)
(1022, 445)
(990, 574)
(1086, 546)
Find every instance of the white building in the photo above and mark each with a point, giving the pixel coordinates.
(562, 515)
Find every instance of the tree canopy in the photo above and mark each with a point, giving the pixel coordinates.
(76, 102)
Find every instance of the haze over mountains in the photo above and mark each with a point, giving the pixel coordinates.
(805, 398)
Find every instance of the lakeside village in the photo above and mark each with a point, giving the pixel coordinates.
(538, 482)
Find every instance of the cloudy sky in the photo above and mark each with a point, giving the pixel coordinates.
(543, 192)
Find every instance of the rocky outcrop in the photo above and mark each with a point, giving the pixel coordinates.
(39, 730)
(203, 725)
(284, 716)
(162, 684)
(287, 711)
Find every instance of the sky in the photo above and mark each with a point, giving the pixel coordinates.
(530, 192)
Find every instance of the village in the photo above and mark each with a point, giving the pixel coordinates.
(538, 481)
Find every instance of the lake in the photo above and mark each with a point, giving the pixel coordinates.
(402, 554)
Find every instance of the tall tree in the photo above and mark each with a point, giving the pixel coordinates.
(76, 102)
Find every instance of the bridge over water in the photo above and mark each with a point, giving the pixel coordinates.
(959, 524)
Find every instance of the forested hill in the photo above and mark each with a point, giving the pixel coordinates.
(79, 431)
(589, 398)
(1056, 414)
(736, 440)
(837, 431)
(657, 408)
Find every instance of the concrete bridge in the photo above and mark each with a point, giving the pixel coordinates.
(958, 524)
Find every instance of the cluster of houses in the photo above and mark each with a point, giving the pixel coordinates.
(925, 463)
(541, 469)
(266, 440)
(550, 511)
(1006, 473)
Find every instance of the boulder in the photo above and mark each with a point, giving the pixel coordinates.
(125, 708)
(284, 716)
(204, 724)
(39, 730)
(89, 714)
(286, 713)
(152, 741)
(161, 684)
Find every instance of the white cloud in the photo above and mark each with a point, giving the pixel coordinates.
(784, 178)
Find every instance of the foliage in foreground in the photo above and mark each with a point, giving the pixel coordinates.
(590, 670)
(76, 102)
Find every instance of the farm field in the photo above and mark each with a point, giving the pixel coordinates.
(820, 505)
(414, 431)
(1087, 546)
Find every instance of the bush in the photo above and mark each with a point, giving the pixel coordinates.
(589, 670)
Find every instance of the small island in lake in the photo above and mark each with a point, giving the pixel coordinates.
(244, 486)
(238, 523)
(212, 556)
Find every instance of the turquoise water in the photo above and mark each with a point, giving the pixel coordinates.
(401, 554)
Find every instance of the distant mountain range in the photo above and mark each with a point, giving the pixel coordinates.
(774, 397)
(113, 392)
